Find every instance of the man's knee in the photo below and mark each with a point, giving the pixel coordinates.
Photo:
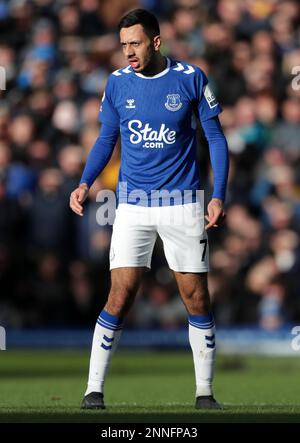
(124, 286)
(119, 301)
(196, 298)
(198, 301)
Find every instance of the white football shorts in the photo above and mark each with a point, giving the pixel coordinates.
(181, 228)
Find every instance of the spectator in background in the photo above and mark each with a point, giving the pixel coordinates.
(287, 132)
(82, 289)
(48, 291)
(93, 239)
(19, 179)
(157, 307)
(70, 163)
(49, 218)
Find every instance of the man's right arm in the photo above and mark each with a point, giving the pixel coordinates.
(97, 160)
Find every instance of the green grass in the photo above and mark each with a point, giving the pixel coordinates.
(47, 386)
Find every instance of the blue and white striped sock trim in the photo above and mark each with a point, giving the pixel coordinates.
(109, 321)
(208, 326)
(202, 321)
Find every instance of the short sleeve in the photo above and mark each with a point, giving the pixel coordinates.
(108, 114)
(208, 105)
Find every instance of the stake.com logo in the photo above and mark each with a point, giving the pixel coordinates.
(151, 137)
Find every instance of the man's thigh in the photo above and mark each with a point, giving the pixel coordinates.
(133, 238)
(128, 278)
(185, 239)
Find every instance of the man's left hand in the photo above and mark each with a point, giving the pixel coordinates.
(216, 214)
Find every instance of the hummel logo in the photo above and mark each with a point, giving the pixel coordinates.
(130, 104)
(210, 341)
(108, 340)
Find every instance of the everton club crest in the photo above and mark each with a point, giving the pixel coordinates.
(173, 102)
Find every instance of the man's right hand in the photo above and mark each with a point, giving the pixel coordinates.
(78, 197)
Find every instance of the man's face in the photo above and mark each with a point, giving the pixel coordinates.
(138, 49)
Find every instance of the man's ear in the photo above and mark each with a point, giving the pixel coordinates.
(157, 42)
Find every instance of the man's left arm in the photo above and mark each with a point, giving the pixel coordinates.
(219, 157)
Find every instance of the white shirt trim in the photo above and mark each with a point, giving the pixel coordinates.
(160, 74)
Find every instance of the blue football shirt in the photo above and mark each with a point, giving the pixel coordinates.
(157, 120)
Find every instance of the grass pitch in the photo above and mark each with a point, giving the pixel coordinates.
(47, 386)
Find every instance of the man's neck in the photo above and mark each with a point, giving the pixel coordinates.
(159, 64)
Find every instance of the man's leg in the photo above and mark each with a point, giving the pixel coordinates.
(124, 285)
(194, 292)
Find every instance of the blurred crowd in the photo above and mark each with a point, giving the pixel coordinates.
(57, 56)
